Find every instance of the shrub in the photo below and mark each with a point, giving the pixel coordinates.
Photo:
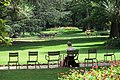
(115, 42)
(104, 73)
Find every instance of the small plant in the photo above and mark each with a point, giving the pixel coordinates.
(103, 73)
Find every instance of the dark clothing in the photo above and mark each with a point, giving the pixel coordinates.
(70, 62)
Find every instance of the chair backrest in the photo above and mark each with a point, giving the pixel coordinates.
(33, 55)
(54, 55)
(13, 56)
(92, 53)
(74, 53)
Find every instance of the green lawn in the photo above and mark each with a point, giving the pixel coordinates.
(48, 74)
(34, 43)
(40, 74)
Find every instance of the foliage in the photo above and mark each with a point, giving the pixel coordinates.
(33, 16)
(97, 14)
(103, 73)
(114, 42)
(3, 27)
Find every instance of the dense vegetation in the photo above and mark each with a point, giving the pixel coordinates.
(33, 16)
(111, 73)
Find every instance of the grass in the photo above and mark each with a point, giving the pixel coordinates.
(41, 74)
(34, 43)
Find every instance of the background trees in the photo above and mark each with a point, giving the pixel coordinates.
(98, 14)
(3, 28)
(32, 16)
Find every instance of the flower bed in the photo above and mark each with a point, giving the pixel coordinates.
(95, 73)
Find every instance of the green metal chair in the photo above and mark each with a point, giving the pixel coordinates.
(92, 56)
(33, 58)
(110, 53)
(53, 56)
(13, 58)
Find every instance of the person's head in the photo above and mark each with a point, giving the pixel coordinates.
(69, 43)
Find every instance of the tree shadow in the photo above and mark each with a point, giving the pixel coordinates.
(22, 45)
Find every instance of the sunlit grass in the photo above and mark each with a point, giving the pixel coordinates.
(58, 43)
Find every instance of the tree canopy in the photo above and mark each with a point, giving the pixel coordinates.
(32, 16)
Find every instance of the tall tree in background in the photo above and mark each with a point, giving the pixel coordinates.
(3, 20)
(112, 8)
(49, 12)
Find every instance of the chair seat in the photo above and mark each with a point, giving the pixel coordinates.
(108, 54)
(12, 61)
(31, 61)
(89, 58)
(53, 60)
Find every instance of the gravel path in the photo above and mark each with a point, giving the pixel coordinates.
(46, 66)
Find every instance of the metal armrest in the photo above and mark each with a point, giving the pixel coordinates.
(47, 57)
(60, 57)
(64, 55)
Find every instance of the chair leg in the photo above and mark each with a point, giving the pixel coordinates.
(8, 65)
(104, 58)
(79, 63)
(39, 64)
(111, 57)
(92, 62)
(97, 62)
(27, 65)
(84, 63)
(87, 62)
(115, 58)
(19, 65)
(48, 64)
(16, 65)
(35, 65)
(58, 63)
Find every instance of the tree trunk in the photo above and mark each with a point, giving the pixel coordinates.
(114, 32)
(119, 29)
(73, 19)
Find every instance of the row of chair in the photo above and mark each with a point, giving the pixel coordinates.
(94, 58)
(55, 56)
(14, 58)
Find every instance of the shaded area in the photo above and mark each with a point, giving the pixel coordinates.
(41, 74)
(22, 45)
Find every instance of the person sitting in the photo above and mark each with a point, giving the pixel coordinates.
(69, 59)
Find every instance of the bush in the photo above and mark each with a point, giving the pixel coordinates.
(104, 73)
(115, 42)
(104, 33)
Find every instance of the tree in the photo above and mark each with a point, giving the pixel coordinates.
(112, 10)
(3, 16)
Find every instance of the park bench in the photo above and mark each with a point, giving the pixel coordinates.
(110, 53)
(33, 58)
(13, 58)
(75, 54)
(92, 55)
(53, 56)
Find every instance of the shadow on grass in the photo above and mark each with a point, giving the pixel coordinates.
(22, 45)
(92, 46)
